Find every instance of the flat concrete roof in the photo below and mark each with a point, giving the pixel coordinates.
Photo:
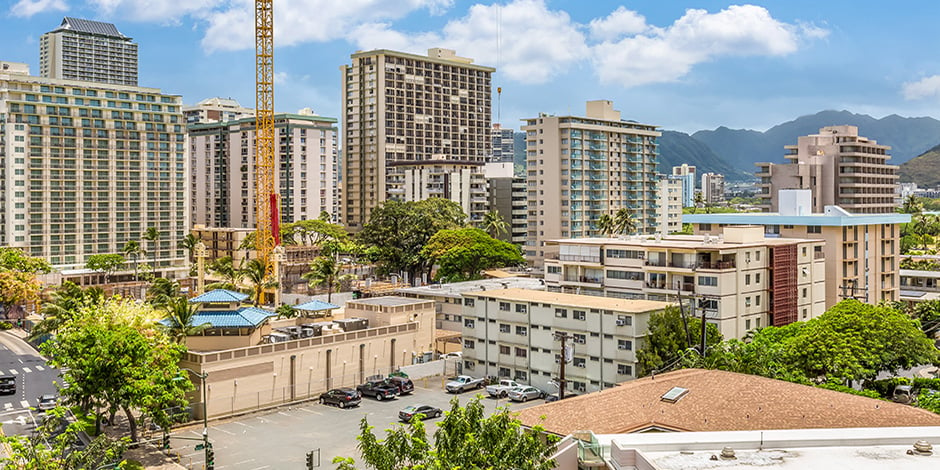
(772, 218)
(572, 300)
(454, 289)
(387, 301)
(691, 242)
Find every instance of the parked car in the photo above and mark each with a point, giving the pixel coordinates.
(462, 383)
(554, 397)
(525, 393)
(452, 355)
(8, 384)
(427, 411)
(378, 389)
(341, 397)
(47, 402)
(501, 389)
(404, 384)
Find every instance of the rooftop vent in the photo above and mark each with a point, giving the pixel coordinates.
(921, 447)
(727, 453)
(674, 394)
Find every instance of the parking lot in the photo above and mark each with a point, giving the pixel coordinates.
(282, 438)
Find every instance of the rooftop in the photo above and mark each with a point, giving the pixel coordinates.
(720, 401)
(90, 27)
(833, 217)
(246, 317)
(315, 306)
(680, 241)
(217, 296)
(572, 300)
(387, 301)
(454, 289)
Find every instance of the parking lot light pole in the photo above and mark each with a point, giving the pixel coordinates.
(205, 411)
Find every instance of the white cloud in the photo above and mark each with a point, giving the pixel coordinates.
(926, 87)
(163, 11)
(620, 22)
(28, 8)
(668, 54)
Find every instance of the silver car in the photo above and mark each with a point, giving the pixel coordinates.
(525, 393)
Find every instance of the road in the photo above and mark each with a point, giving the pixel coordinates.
(281, 439)
(33, 378)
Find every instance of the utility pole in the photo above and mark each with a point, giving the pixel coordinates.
(563, 337)
(685, 323)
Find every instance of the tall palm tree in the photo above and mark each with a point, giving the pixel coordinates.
(231, 275)
(911, 205)
(66, 303)
(494, 223)
(180, 315)
(624, 223)
(323, 270)
(256, 272)
(132, 249)
(163, 292)
(605, 224)
(152, 235)
(189, 243)
(698, 201)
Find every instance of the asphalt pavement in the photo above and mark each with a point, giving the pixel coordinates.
(33, 378)
(281, 439)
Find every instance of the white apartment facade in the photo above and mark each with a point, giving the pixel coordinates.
(669, 204)
(222, 156)
(216, 110)
(503, 144)
(413, 120)
(713, 188)
(688, 175)
(580, 168)
(89, 166)
(740, 279)
(90, 51)
(511, 333)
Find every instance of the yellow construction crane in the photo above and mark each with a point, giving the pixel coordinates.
(267, 232)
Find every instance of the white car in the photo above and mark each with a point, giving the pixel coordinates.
(452, 355)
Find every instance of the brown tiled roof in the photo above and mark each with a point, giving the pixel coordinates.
(719, 401)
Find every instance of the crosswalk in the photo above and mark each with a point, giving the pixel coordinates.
(25, 370)
(10, 406)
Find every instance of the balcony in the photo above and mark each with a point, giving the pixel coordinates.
(716, 265)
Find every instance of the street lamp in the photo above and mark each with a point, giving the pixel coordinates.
(205, 417)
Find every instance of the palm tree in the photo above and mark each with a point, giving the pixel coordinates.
(698, 201)
(605, 224)
(911, 205)
(231, 275)
(163, 292)
(65, 305)
(189, 243)
(323, 270)
(494, 223)
(180, 316)
(256, 272)
(286, 311)
(624, 223)
(132, 249)
(152, 235)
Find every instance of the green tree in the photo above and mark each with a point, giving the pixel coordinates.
(911, 206)
(66, 302)
(667, 339)
(399, 231)
(495, 224)
(312, 232)
(462, 254)
(189, 243)
(105, 263)
(132, 248)
(231, 275)
(624, 223)
(286, 311)
(153, 236)
(605, 224)
(180, 314)
(465, 438)
(324, 270)
(257, 274)
(928, 313)
(698, 201)
(162, 292)
(52, 449)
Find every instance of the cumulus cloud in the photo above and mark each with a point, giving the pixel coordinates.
(926, 87)
(163, 11)
(668, 54)
(618, 23)
(28, 8)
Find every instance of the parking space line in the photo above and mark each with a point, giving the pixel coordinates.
(216, 428)
(308, 410)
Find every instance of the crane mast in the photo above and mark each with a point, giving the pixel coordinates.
(267, 232)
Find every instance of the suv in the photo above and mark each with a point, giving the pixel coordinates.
(380, 389)
(47, 402)
(404, 384)
(341, 397)
(7, 384)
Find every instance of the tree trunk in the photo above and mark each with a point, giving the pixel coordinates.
(132, 422)
(97, 420)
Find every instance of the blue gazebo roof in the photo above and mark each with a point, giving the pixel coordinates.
(315, 306)
(219, 295)
(245, 317)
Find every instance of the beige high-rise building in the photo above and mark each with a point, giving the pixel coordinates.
(90, 51)
(90, 166)
(841, 168)
(581, 167)
(216, 110)
(222, 155)
(669, 204)
(415, 127)
(713, 188)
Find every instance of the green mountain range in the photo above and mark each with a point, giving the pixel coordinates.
(923, 170)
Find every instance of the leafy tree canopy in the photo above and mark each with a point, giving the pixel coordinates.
(312, 232)
(667, 339)
(50, 449)
(463, 253)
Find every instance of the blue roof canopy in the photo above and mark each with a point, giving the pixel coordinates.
(219, 295)
(247, 317)
(315, 306)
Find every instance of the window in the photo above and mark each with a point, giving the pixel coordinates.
(468, 365)
(578, 386)
(521, 330)
(747, 279)
(625, 344)
(624, 320)
(504, 350)
(503, 328)
(522, 352)
(747, 325)
(757, 256)
(468, 302)
(521, 376)
(757, 300)
(708, 280)
(747, 301)
(578, 315)
(804, 292)
(757, 278)
(520, 308)
(468, 323)
(579, 362)
(554, 269)
(813, 229)
(626, 275)
(579, 338)
(504, 306)
(624, 369)
(561, 313)
(469, 344)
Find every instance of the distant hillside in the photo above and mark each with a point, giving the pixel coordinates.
(908, 137)
(676, 148)
(923, 170)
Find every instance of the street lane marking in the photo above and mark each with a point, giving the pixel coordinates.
(8, 406)
(26, 370)
(14, 372)
(24, 404)
(39, 368)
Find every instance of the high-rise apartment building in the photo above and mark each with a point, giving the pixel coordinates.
(89, 51)
(713, 188)
(688, 177)
(581, 167)
(222, 155)
(507, 195)
(503, 144)
(216, 110)
(840, 167)
(415, 127)
(90, 166)
(669, 204)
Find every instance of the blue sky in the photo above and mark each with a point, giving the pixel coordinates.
(683, 65)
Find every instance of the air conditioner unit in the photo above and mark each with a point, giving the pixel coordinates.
(622, 346)
(621, 323)
(579, 340)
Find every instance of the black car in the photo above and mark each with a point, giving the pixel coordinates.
(7, 384)
(554, 396)
(427, 411)
(404, 384)
(341, 397)
(380, 389)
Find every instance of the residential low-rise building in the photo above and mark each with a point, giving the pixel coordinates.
(448, 297)
(513, 333)
(740, 279)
